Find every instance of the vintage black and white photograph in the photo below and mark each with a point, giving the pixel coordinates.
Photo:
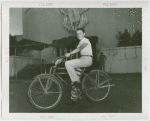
(75, 60)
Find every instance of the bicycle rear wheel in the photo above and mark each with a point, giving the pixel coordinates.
(45, 92)
(96, 85)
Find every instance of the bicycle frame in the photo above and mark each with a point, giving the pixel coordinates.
(53, 70)
(56, 76)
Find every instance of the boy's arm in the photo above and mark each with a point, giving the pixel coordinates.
(79, 48)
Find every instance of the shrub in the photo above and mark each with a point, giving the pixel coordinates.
(126, 39)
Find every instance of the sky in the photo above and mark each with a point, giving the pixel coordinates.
(16, 27)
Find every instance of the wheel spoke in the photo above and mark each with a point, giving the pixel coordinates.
(104, 86)
(54, 88)
(92, 81)
(103, 82)
(92, 93)
(39, 99)
(36, 88)
(91, 88)
(36, 94)
(54, 92)
(41, 84)
(52, 98)
(48, 86)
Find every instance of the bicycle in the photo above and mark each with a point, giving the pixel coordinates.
(45, 92)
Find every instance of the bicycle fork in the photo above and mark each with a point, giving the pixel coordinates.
(48, 84)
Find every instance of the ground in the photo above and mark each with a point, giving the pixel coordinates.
(124, 97)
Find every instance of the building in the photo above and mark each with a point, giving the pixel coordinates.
(46, 24)
(19, 37)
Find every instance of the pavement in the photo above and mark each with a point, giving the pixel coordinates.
(124, 97)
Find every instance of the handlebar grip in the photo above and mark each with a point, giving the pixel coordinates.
(61, 57)
(73, 54)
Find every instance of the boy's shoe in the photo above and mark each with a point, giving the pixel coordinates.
(76, 91)
(77, 84)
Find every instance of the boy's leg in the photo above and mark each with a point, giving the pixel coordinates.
(77, 63)
(70, 67)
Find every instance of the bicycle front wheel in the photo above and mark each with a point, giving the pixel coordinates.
(45, 92)
(96, 85)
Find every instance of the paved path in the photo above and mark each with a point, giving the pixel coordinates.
(125, 97)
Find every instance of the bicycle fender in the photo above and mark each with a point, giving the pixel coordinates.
(40, 75)
(101, 72)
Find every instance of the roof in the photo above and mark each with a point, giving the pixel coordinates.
(69, 41)
(30, 44)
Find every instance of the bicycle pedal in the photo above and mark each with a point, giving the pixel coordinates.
(74, 99)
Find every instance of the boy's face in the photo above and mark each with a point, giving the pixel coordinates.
(80, 35)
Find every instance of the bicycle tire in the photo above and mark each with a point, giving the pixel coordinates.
(36, 92)
(91, 89)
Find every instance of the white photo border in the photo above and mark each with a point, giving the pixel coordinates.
(75, 116)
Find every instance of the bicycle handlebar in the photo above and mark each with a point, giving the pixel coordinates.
(61, 58)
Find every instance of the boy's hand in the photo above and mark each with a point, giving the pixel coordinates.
(58, 61)
(67, 55)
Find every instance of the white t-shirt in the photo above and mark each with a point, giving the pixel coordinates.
(88, 49)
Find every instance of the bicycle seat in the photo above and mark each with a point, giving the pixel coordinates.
(85, 68)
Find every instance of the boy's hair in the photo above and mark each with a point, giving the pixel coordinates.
(81, 30)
